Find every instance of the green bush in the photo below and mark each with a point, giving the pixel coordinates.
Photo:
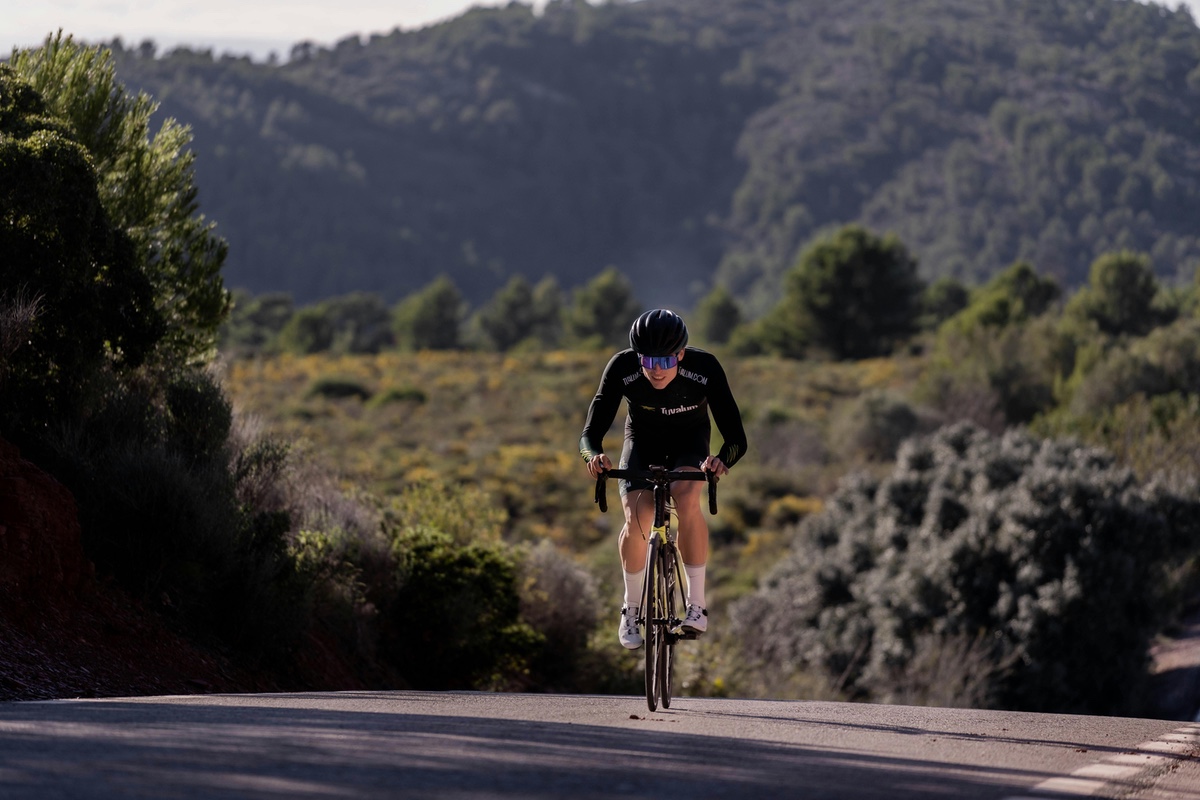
(307, 331)
(337, 388)
(941, 300)
(1041, 563)
(1165, 361)
(716, 317)
(996, 375)
(1120, 295)
(454, 621)
(431, 318)
(602, 310)
(1018, 294)
(200, 416)
(508, 318)
(354, 323)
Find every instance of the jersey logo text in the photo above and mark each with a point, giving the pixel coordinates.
(682, 409)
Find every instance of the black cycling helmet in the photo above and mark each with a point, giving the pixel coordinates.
(658, 333)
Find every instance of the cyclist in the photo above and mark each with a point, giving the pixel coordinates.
(669, 390)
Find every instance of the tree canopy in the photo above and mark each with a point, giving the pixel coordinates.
(850, 295)
(1119, 295)
(65, 251)
(145, 183)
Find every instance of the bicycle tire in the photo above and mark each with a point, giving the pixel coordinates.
(667, 582)
(653, 639)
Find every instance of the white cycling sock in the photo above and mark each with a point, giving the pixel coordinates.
(695, 576)
(633, 587)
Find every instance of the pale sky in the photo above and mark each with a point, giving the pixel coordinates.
(254, 27)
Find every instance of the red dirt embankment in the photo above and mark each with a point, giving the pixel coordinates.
(41, 557)
(63, 633)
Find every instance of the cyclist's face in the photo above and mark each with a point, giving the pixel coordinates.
(659, 378)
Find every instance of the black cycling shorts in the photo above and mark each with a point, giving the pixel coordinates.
(686, 447)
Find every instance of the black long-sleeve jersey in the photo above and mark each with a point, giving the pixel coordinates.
(682, 404)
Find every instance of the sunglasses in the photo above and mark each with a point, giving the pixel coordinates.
(658, 362)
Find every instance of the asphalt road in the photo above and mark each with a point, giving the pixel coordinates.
(469, 745)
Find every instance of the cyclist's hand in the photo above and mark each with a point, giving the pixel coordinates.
(597, 464)
(715, 465)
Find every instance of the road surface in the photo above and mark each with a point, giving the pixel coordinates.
(476, 745)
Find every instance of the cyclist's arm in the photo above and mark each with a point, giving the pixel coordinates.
(601, 413)
(728, 417)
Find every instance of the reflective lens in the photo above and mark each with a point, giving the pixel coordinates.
(658, 362)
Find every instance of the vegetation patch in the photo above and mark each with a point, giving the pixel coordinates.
(338, 388)
(1032, 573)
(403, 394)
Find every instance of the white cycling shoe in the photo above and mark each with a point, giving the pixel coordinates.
(696, 621)
(628, 633)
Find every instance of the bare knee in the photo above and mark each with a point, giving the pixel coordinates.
(638, 506)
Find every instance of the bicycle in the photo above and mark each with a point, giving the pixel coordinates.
(663, 595)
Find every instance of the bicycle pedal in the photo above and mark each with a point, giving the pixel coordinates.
(680, 633)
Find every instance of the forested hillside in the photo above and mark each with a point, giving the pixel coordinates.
(693, 142)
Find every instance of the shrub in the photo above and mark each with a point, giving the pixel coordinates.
(200, 415)
(508, 318)
(559, 601)
(337, 388)
(1040, 560)
(307, 331)
(401, 394)
(977, 370)
(1165, 361)
(790, 509)
(941, 300)
(872, 427)
(465, 514)
(603, 309)
(430, 319)
(1149, 434)
(1018, 294)
(453, 622)
(160, 512)
(717, 315)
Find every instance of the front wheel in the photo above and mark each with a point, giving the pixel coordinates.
(651, 600)
(668, 577)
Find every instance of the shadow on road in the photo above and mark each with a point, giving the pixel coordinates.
(181, 750)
